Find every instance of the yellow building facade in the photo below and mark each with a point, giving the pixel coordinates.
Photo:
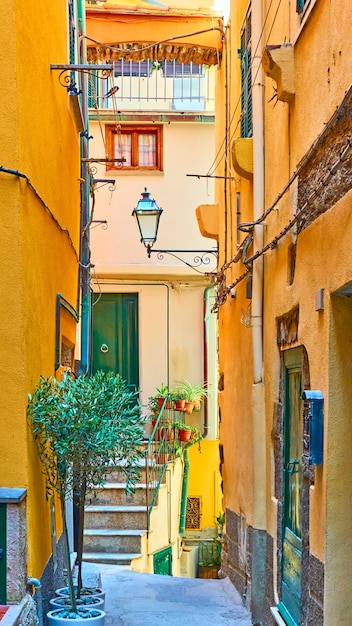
(283, 286)
(40, 225)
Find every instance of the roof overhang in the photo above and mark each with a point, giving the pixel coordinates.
(125, 33)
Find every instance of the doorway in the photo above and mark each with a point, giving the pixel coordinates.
(290, 605)
(116, 336)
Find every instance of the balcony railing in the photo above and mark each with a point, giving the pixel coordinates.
(157, 85)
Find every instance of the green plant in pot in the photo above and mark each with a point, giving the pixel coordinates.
(193, 394)
(187, 433)
(82, 427)
(163, 392)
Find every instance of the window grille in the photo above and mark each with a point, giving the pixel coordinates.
(193, 513)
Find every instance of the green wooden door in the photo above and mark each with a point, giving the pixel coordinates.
(162, 562)
(2, 553)
(115, 336)
(292, 501)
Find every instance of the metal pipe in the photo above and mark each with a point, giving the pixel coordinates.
(258, 400)
(183, 508)
(205, 358)
(34, 582)
(84, 267)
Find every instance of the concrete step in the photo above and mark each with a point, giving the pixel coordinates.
(113, 541)
(116, 494)
(112, 559)
(114, 516)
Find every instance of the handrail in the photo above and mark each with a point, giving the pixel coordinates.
(162, 448)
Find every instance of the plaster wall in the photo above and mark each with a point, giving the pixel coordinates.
(187, 149)
(39, 236)
(321, 261)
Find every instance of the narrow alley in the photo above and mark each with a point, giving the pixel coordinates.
(134, 599)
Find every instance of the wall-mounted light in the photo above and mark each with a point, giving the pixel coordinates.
(147, 213)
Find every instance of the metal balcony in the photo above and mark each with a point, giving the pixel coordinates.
(154, 85)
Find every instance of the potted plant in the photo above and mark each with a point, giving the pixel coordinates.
(83, 426)
(186, 433)
(64, 601)
(163, 392)
(193, 394)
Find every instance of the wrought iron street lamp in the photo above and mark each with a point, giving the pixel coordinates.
(147, 213)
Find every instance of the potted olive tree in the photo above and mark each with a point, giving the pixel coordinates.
(84, 426)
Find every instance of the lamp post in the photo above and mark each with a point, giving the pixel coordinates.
(147, 213)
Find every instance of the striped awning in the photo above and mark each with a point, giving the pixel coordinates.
(126, 34)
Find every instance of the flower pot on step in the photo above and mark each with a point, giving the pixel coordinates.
(86, 617)
(91, 602)
(85, 592)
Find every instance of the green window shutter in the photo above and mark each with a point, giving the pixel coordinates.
(246, 77)
(300, 4)
(93, 91)
(71, 32)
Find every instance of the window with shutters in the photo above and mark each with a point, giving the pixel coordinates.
(246, 76)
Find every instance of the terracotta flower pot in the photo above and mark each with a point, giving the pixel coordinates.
(180, 405)
(184, 435)
(168, 405)
(189, 406)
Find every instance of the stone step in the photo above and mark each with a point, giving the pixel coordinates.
(114, 516)
(113, 541)
(113, 559)
(116, 475)
(116, 494)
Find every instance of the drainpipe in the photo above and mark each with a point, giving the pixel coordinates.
(205, 358)
(183, 510)
(84, 268)
(38, 597)
(258, 408)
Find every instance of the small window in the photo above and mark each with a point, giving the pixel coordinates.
(139, 146)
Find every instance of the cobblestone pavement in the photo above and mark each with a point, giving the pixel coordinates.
(134, 599)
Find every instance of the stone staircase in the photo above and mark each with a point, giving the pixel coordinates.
(116, 522)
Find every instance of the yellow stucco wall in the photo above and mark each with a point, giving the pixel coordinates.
(205, 482)
(39, 139)
(323, 260)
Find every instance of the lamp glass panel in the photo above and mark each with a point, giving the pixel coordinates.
(148, 225)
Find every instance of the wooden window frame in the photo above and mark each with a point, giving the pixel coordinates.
(135, 131)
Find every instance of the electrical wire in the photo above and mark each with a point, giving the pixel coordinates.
(220, 155)
(156, 43)
(64, 230)
(224, 291)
